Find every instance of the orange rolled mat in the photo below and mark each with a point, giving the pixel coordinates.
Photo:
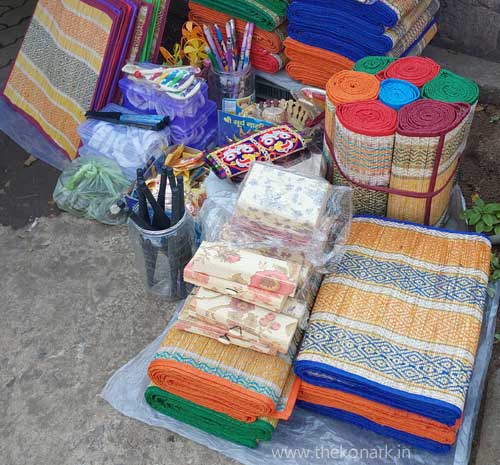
(381, 414)
(272, 41)
(313, 65)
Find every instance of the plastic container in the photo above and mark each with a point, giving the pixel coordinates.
(232, 91)
(203, 134)
(144, 98)
(162, 255)
(129, 146)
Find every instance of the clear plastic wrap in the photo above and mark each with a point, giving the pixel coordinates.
(162, 255)
(129, 146)
(89, 187)
(309, 438)
(278, 209)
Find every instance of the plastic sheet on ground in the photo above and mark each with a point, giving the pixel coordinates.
(309, 438)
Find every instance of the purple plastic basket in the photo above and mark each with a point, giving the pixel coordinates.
(144, 98)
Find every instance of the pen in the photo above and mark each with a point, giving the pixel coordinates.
(211, 43)
(143, 205)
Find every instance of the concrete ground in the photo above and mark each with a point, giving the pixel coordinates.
(74, 310)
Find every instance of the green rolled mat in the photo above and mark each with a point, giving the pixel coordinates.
(266, 14)
(210, 421)
(452, 88)
(373, 64)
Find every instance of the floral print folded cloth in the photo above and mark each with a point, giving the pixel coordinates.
(247, 267)
(241, 318)
(282, 203)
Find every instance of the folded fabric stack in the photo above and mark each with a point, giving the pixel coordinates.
(85, 44)
(349, 29)
(267, 45)
(393, 334)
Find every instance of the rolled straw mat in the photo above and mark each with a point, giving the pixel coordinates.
(396, 93)
(417, 70)
(452, 88)
(228, 379)
(344, 87)
(364, 141)
(425, 128)
(312, 65)
(373, 64)
(399, 319)
(210, 421)
(397, 423)
(272, 41)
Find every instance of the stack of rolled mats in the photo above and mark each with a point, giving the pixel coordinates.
(395, 131)
(267, 45)
(393, 334)
(339, 32)
(225, 365)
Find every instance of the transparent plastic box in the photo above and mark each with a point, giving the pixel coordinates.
(145, 98)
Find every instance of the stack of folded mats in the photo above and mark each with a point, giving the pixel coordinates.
(85, 44)
(393, 334)
(396, 130)
(193, 117)
(344, 30)
(267, 46)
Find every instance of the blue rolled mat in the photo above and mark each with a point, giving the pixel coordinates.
(396, 93)
(362, 422)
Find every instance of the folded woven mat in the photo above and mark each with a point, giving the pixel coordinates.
(425, 129)
(373, 64)
(417, 70)
(210, 421)
(312, 65)
(272, 41)
(397, 93)
(398, 321)
(353, 38)
(450, 87)
(382, 14)
(418, 47)
(266, 14)
(397, 423)
(412, 37)
(239, 382)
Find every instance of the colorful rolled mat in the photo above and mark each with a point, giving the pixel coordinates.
(364, 141)
(321, 27)
(373, 64)
(450, 87)
(312, 65)
(210, 421)
(399, 324)
(239, 382)
(427, 130)
(272, 41)
(345, 87)
(397, 423)
(417, 70)
(266, 14)
(396, 93)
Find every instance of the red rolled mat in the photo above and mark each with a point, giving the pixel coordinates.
(266, 61)
(417, 70)
(370, 118)
(430, 118)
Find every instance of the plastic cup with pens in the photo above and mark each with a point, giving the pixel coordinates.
(163, 244)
